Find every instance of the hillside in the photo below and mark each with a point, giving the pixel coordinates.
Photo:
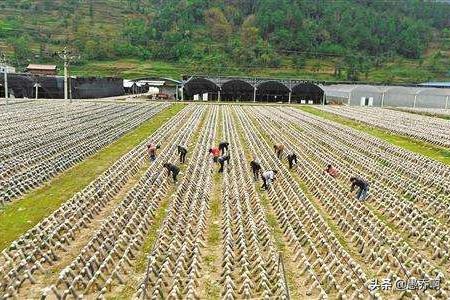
(382, 41)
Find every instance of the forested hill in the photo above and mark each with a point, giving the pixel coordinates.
(344, 39)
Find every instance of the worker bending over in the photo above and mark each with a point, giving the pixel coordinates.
(256, 167)
(223, 146)
(171, 168)
(363, 187)
(278, 150)
(182, 151)
(268, 177)
(215, 152)
(222, 160)
(292, 159)
(332, 171)
(151, 148)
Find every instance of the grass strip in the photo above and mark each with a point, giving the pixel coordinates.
(213, 251)
(213, 242)
(21, 215)
(434, 152)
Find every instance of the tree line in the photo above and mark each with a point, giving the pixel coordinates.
(356, 35)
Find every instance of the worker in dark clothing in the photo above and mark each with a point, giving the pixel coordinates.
(171, 168)
(223, 146)
(222, 160)
(256, 168)
(182, 151)
(363, 187)
(278, 150)
(268, 177)
(215, 152)
(292, 159)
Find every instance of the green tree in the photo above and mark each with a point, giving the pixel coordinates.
(299, 62)
(217, 23)
(21, 47)
(249, 32)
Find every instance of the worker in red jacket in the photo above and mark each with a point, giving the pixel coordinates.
(151, 148)
(215, 152)
(332, 171)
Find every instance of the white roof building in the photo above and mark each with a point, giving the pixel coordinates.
(9, 69)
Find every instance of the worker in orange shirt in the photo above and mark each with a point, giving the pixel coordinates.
(151, 148)
(215, 152)
(332, 171)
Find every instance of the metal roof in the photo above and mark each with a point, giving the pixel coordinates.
(41, 67)
(157, 79)
(127, 83)
(435, 92)
(150, 82)
(404, 90)
(436, 84)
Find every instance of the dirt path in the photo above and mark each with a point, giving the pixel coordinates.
(210, 286)
(209, 282)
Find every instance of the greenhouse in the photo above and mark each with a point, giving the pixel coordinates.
(354, 95)
(308, 92)
(401, 96)
(433, 98)
(396, 96)
(209, 88)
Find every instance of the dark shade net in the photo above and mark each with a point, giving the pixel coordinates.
(307, 91)
(22, 85)
(237, 90)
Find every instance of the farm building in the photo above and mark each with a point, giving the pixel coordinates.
(436, 84)
(209, 88)
(42, 69)
(9, 69)
(95, 87)
(400, 96)
(129, 86)
(153, 85)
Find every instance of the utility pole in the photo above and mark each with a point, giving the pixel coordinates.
(67, 58)
(37, 86)
(5, 73)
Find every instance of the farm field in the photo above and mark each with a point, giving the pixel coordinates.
(40, 140)
(401, 139)
(433, 112)
(424, 128)
(131, 232)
